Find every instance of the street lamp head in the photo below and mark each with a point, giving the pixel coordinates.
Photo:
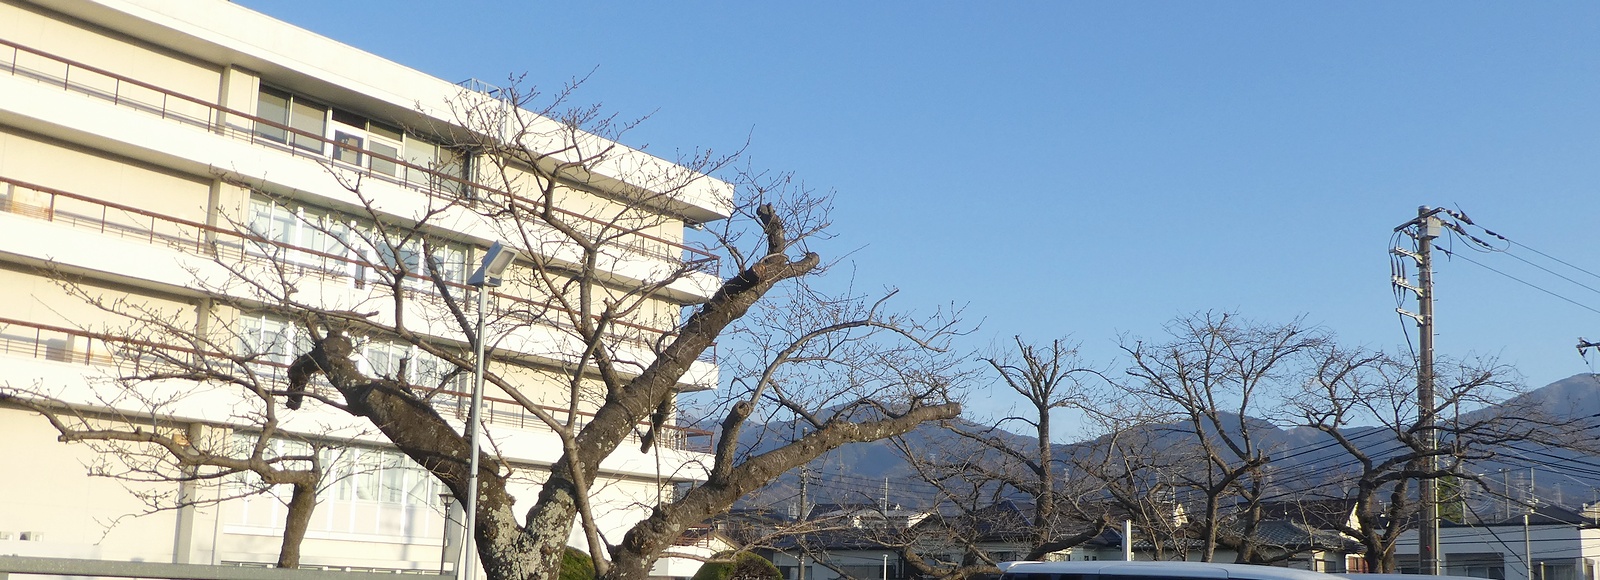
(494, 265)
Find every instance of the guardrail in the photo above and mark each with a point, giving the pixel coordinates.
(123, 91)
(70, 345)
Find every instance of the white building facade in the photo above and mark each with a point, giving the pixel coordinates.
(1550, 544)
(140, 140)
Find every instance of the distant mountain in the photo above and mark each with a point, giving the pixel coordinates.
(1572, 397)
(860, 472)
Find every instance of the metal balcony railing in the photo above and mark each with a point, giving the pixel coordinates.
(122, 91)
(85, 212)
(70, 345)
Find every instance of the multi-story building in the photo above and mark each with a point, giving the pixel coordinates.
(145, 145)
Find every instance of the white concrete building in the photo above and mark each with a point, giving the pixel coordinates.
(1551, 543)
(134, 133)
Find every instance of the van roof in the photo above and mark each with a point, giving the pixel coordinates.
(1170, 569)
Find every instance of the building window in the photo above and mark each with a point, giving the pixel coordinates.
(386, 359)
(286, 109)
(334, 244)
(348, 148)
(271, 340)
(440, 159)
(448, 261)
(355, 133)
(379, 475)
(362, 142)
(363, 491)
(300, 235)
(386, 142)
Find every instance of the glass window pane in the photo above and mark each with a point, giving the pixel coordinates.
(272, 106)
(308, 118)
(282, 226)
(383, 130)
(349, 147)
(249, 334)
(426, 370)
(452, 263)
(454, 164)
(379, 164)
(408, 256)
(349, 118)
(394, 480)
(261, 218)
(368, 469)
(412, 258)
(302, 343)
(418, 491)
(332, 235)
(421, 154)
(380, 357)
(343, 487)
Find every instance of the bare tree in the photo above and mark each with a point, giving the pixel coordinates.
(1139, 470)
(999, 488)
(1216, 375)
(588, 337)
(1365, 402)
(140, 445)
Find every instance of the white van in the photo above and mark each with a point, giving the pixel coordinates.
(1119, 570)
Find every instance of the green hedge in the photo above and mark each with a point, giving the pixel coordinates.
(745, 566)
(576, 565)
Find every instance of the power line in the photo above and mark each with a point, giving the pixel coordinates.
(1519, 280)
(1557, 260)
(1553, 273)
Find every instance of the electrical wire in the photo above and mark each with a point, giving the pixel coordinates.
(1500, 540)
(1519, 280)
(1397, 270)
(1553, 273)
(1557, 260)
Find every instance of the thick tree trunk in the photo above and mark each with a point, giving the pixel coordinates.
(550, 522)
(1208, 545)
(302, 503)
(418, 430)
(508, 550)
(1379, 557)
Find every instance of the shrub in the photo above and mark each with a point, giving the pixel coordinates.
(744, 566)
(576, 565)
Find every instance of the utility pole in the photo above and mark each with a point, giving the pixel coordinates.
(805, 479)
(1527, 547)
(1426, 226)
(1505, 498)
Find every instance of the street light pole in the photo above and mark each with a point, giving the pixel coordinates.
(444, 543)
(489, 275)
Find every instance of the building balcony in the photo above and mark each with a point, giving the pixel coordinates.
(201, 242)
(108, 352)
(292, 160)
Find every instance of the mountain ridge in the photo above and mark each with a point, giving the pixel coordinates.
(863, 472)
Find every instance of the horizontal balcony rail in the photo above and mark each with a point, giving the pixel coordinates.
(85, 212)
(70, 345)
(123, 91)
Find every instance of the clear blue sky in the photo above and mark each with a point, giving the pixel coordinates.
(1095, 169)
